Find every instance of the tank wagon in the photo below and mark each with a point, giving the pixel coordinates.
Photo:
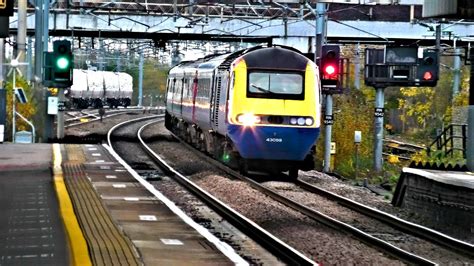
(255, 109)
(98, 88)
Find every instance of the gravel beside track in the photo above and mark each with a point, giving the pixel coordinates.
(317, 241)
(378, 229)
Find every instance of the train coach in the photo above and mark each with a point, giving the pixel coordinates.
(95, 89)
(256, 109)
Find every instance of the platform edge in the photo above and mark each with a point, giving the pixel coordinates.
(77, 243)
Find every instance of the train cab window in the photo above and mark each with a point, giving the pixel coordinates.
(276, 85)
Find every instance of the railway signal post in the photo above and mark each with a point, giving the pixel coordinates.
(330, 73)
(396, 66)
(470, 121)
(58, 73)
(379, 112)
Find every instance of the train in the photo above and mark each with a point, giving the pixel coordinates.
(257, 109)
(95, 89)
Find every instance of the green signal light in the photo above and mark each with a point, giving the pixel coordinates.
(62, 63)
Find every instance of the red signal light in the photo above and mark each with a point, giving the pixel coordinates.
(329, 70)
(427, 75)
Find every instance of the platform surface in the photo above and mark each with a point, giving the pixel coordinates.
(31, 230)
(120, 222)
(455, 178)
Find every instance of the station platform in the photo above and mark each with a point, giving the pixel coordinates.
(79, 205)
(31, 230)
(445, 199)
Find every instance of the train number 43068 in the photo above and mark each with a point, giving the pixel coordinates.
(274, 140)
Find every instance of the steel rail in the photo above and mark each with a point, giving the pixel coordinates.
(267, 240)
(318, 216)
(97, 117)
(414, 229)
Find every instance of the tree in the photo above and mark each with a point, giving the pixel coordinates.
(417, 102)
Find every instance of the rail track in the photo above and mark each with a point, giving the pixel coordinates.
(80, 117)
(462, 248)
(437, 238)
(277, 247)
(403, 151)
(434, 236)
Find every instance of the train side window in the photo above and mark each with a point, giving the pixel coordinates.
(208, 93)
(179, 86)
(190, 87)
(185, 87)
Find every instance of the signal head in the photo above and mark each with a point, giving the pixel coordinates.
(427, 71)
(329, 69)
(329, 66)
(62, 62)
(427, 75)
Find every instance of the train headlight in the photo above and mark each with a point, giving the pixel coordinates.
(293, 120)
(301, 121)
(309, 121)
(248, 119)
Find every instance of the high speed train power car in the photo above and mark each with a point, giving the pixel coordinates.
(254, 109)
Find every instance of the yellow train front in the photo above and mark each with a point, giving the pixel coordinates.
(256, 109)
(274, 109)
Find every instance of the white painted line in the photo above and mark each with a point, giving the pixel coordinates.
(131, 199)
(89, 145)
(147, 218)
(104, 167)
(92, 149)
(110, 176)
(174, 242)
(120, 170)
(96, 154)
(99, 161)
(119, 185)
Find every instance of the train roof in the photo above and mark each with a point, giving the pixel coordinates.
(209, 62)
(280, 56)
(252, 56)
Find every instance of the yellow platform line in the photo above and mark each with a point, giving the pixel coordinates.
(77, 243)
